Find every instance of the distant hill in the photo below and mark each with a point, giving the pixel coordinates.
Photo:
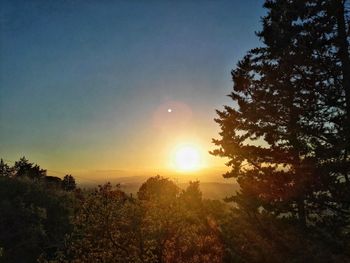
(212, 183)
(213, 174)
(210, 190)
(213, 190)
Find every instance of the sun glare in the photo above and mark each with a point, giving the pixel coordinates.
(187, 158)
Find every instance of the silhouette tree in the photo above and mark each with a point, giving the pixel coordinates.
(68, 183)
(33, 219)
(23, 168)
(53, 181)
(287, 135)
(5, 169)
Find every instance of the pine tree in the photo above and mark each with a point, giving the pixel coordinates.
(5, 169)
(23, 168)
(287, 136)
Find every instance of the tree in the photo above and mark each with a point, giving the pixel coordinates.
(157, 188)
(110, 226)
(52, 182)
(104, 228)
(23, 168)
(192, 196)
(175, 227)
(33, 219)
(5, 169)
(196, 234)
(68, 183)
(287, 136)
(159, 215)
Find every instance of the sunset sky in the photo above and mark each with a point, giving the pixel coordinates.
(89, 87)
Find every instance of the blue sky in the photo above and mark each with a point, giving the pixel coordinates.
(81, 81)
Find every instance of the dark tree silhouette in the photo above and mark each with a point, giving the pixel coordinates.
(68, 183)
(53, 180)
(287, 135)
(23, 168)
(5, 169)
(34, 219)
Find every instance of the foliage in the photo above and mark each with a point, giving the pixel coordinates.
(110, 226)
(5, 169)
(197, 236)
(33, 219)
(176, 227)
(68, 183)
(23, 168)
(103, 228)
(157, 189)
(287, 136)
(41, 220)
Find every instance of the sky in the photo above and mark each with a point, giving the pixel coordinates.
(85, 86)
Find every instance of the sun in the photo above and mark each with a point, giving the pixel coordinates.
(187, 158)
